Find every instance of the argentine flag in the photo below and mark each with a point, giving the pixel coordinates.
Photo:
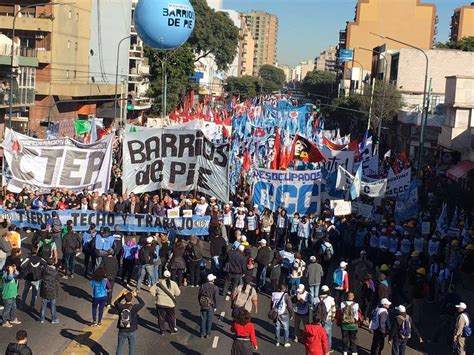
(355, 187)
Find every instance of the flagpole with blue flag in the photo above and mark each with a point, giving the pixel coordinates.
(355, 187)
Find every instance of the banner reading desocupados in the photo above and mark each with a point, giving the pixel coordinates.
(133, 223)
(177, 160)
(40, 165)
(296, 191)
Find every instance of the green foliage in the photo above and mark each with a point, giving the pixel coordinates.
(390, 105)
(466, 44)
(214, 34)
(272, 74)
(319, 82)
(244, 86)
(179, 67)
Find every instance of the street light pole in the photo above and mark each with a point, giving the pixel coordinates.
(425, 109)
(116, 75)
(12, 52)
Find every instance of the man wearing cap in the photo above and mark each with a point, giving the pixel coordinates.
(207, 298)
(380, 325)
(235, 268)
(263, 259)
(462, 321)
(402, 328)
(328, 303)
(301, 309)
(341, 282)
(146, 255)
(314, 274)
(218, 249)
(349, 318)
(202, 208)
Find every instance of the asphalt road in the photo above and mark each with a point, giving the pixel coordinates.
(74, 336)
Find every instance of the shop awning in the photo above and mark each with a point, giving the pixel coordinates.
(460, 170)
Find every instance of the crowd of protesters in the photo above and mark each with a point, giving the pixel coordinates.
(320, 271)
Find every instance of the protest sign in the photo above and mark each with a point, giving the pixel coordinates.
(40, 165)
(407, 205)
(341, 207)
(177, 160)
(173, 212)
(296, 191)
(336, 158)
(363, 209)
(128, 223)
(373, 188)
(397, 184)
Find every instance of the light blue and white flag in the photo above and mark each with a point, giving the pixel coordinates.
(442, 225)
(355, 187)
(406, 206)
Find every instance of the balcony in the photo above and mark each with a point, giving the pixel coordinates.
(39, 23)
(43, 56)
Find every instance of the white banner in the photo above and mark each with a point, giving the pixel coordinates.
(176, 160)
(40, 165)
(375, 188)
(344, 179)
(398, 184)
(336, 158)
(363, 210)
(341, 207)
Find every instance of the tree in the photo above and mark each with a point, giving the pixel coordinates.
(214, 34)
(318, 82)
(465, 44)
(389, 104)
(245, 86)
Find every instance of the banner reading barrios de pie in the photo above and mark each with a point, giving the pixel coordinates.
(40, 164)
(174, 159)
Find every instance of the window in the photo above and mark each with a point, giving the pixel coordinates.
(67, 74)
(77, 16)
(68, 44)
(69, 15)
(76, 46)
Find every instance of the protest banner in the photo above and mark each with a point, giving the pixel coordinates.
(406, 206)
(397, 184)
(341, 207)
(296, 191)
(336, 158)
(173, 212)
(41, 165)
(128, 223)
(363, 209)
(372, 188)
(176, 160)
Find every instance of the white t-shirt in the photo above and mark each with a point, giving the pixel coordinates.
(276, 296)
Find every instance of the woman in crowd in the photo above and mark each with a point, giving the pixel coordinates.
(100, 287)
(177, 262)
(165, 292)
(194, 257)
(245, 337)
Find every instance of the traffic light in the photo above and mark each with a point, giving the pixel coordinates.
(130, 103)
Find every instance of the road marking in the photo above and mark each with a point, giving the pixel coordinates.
(227, 298)
(215, 341)
(222, 316)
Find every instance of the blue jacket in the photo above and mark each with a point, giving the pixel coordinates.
(129, 251)
(102, 243)
(99, 288)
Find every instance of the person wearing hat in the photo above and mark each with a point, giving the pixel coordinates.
(263, 259)
(228, 222)
(165, 292)
(383, 288)
(207, 298)
(463, 322)
(380, 325)
(401, 331)
(314, 275)
(341, 282)
(202, 208)
(326, 311)
(218, 250)
(103, 242)
(236, 267)
(127, 323)
(252, 226)
(349, 317)
(420, 291)
(301, 308)
(244, 242)
(146, 255)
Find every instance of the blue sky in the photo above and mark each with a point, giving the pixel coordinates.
(306, 27)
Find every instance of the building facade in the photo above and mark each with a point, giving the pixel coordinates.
(410, 21)
(462, 23)
(298, 73)
(327, 60)
(76, 47)
(264, 29)
(246, 48)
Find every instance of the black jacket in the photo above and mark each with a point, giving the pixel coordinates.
(50, 283)
(397, 323)
(32, 267)
(71, 242)
(237, 262)
(38, 237)
(18, 349)
(110, 265)
(264, 255)
(134, 309)
(218, 246)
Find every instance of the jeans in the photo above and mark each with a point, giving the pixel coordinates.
(302, 244)
(398, 346)
(206, 321)
(44, 305)
(314, 292)
(194, 272)
(157, 271)
(293, 283)
(283, 320)
(69, 260)
(123, 337)
(100, 304)
(378, 343)
(234, 280)
(34, 292)
(142, 271)
(261, 276)
(9, 312)
(328, 329)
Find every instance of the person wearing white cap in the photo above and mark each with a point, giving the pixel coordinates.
(380, 325)
(266, 223)
(165, 292)
(251, 223)
(326, 311)
(202, 208)
(207, 298)
(236, 267)
(341, 282)
(281, 231)
(239, 222)
(462, 329)
(301, 309)
(314, 274)
(263, 259)
(228, 221)
(146, 256)
(349, 320)
(401, 331)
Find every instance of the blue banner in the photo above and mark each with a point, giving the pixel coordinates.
(295, 191)
(129, 223)
(406, 206)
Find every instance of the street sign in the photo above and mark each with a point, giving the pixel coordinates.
(345, 55)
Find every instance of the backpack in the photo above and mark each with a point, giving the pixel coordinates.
(205, 300)
(56, 225)
(327, 254)
(338, 277)
(348, 314)
(405, 328)
(46, 250)
(467, 329)
(375, 319)
(321, 312)
(125, 318)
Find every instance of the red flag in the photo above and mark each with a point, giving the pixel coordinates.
(305, 151)
(333, 146)
(246, 162)
(283, 158)
(276, 151)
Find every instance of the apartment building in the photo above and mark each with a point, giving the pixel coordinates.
(462, 22)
